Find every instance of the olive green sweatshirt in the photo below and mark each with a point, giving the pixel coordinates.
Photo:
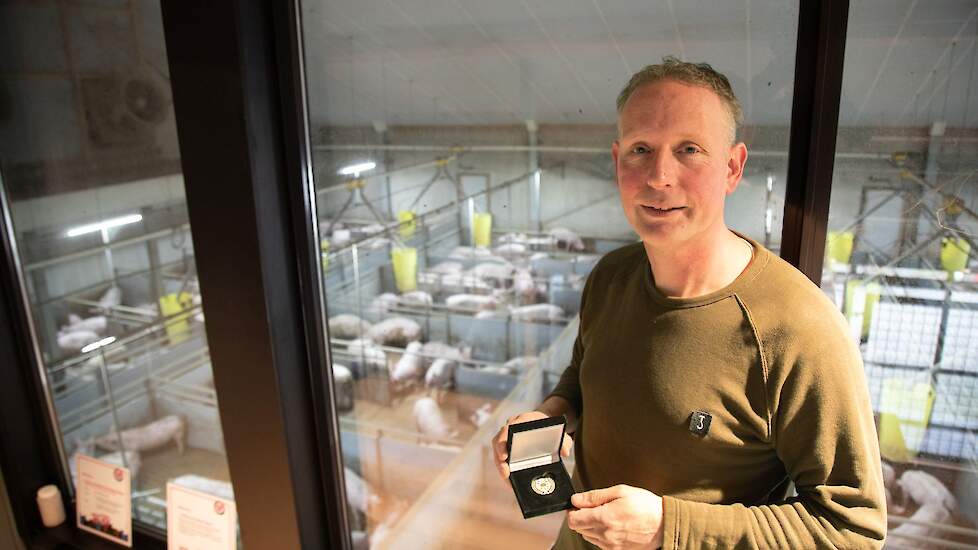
(770, 360)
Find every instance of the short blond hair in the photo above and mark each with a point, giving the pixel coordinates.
(694, 74)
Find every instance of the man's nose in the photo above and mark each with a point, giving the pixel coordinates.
(661, 171)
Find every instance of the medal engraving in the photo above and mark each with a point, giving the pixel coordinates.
(543, 485)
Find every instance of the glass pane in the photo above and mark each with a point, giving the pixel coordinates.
(900, 253)
(92, 168)
(466, 188)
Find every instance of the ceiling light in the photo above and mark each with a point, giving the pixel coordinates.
(104, 224)
(356, 169)
(96, 345)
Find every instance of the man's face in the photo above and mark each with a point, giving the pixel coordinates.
(675, 163)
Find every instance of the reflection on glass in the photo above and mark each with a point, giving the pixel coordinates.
(91, 167)
(900, 255)
(465, 190)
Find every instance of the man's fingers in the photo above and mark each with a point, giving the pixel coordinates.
(583, 520)
(597, 497)
(566, 446)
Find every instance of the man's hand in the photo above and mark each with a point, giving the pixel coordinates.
(499, 441)
(619, 518)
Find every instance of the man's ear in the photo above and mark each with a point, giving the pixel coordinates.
(614, 152)
(736, 160)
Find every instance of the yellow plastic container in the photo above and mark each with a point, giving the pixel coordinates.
(177, 328)
(405, 262)
(905, 408)
(838, 246)
(407, 224)
(482, 229)
(954, 254)
(871, 298)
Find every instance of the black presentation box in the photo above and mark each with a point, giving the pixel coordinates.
(534, 457)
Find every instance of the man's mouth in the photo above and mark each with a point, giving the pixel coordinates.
(663, 209)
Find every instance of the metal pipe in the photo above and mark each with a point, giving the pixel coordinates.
(534, 166)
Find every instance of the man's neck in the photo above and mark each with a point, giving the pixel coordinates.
(699, 267)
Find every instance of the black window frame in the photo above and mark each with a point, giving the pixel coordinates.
(240, 102)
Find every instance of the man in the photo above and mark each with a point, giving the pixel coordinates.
(708, 374)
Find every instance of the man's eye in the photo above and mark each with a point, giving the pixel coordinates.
(640, 149)
(690, 150)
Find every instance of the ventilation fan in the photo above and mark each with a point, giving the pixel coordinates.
(123, 109)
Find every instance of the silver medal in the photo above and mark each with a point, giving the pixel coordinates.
(543, 485)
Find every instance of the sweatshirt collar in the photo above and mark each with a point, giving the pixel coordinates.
(761, 258)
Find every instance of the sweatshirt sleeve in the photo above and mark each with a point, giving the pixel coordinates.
(822, 428)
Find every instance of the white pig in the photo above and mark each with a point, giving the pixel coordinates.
(416, 297)
(76, 340)
(472, 301)
(924, 488)
(510, 250)
(396, 331)
(930, 513)
(110, 298)
(521, 364)
(410, 366)
(367, 352)
(347, 326)
(149, 436)
(383, 303)
(566, 239)
(441, 374)
(446, 267)
(498, 275)
(430, 420)
(537, 312)
(481, 415)
(97, 324)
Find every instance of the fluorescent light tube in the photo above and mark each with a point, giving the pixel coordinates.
(356, 169)
(97, 345)
(104, 224)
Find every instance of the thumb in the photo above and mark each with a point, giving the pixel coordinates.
(597, 497)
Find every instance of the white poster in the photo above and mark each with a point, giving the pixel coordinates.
(199, 521)
(104, 504)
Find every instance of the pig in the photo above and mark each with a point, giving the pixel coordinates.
(431, 421)
(149, 436)
(565, 239)
(416, 297)
(347, 327)
(110, 298)
(446, 267)
(521, 364)
(359, 494)
(97, 324)
(383, 303)
(537, 312)
(468, 252)
(472, 301)
(497, 275)
(513, 238)
(510, 250)
(74, 341)
(410, 366)
(524, 286)
(924, 488)
(481, 415)
(441, 374)
(931, 513)
(435, 349)
(216, 487)
(395, 331)
(367, 352)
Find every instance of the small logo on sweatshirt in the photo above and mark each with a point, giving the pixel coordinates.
(699, 422)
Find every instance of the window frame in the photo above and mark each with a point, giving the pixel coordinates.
(250, 56)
